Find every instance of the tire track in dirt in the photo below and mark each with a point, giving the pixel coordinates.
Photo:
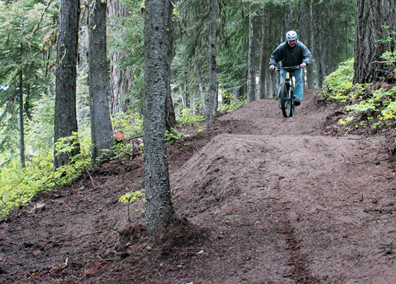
(300, 272)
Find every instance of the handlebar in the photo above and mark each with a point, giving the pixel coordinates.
(288, 68)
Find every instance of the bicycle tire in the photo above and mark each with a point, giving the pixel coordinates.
(292, 105)
(286, 104)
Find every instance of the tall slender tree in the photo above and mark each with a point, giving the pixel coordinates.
(212, 90)
(158, 33)
(66, 76)
(99, 84)
(120, 78)
(251, 67)
(21, 121)
(201, 85)
(262, 94)
(310, 44)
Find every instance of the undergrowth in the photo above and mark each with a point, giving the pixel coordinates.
(365, 105)
(232, 103)
(18, 186)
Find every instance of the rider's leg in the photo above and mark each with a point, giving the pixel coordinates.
(298, 88)
(282, 78)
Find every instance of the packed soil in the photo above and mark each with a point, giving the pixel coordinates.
(262, 199)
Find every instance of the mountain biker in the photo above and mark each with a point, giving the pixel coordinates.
(291, 53)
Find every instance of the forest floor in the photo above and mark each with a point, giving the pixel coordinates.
(271, 200)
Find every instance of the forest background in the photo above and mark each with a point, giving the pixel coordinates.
(247, 33)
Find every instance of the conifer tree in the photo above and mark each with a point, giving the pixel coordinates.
(66, 76)
(99, 84)
(160, 212)
(22, 70)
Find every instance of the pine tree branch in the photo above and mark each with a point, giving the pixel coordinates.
(41, 18)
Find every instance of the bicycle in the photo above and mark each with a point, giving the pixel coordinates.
(287, 90)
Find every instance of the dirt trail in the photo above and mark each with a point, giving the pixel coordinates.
(282, 204)
(330, 198)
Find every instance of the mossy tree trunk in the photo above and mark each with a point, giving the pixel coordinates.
(66, 76)
(99, 85)
(158, 33)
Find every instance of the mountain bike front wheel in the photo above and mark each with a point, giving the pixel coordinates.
(286, 95)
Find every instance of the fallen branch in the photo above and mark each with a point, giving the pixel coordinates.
(31, 277)
(93, 185)
(379, 62)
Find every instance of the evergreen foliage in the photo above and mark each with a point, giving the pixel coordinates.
(127, 35)
(26, 39)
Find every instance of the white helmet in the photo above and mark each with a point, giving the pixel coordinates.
(291, 35)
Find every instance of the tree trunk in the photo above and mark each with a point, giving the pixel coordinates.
(274, 84)
(66, 76)
(347, 40)
(252, 70)
(99, 85)
(160, 213)
(310, 38)
(21, 122)
(263, 63)
(186, 97)
(201, 85)
(170, 116)
(120, 79)
(170, 111)
(322, 73)
(212, 90)
(319, 66)
(370, 17)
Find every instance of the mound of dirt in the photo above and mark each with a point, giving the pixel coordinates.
(268, 200)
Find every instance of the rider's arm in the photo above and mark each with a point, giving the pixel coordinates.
(276, 56)
(272, 62)
(306, 55)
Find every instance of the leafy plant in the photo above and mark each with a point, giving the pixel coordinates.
(389, 56)
(130, 123)
(338, 85)
(368, 105)
(389, 38)
(232, 104)
(174, 135)
(130, 197)
(188, 117)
